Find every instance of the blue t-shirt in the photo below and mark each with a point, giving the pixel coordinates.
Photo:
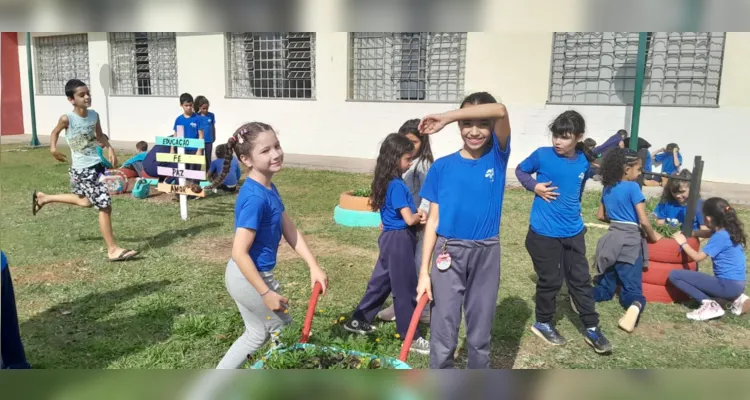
(728, 258)
(674, 214)
(260, 209)
(620, 201)
(234, 171)
(560, 218)
(136, 158)
(397, 197)
(191, 125)
(103, 159)
(4, 261)
(208, 127)
(468, 192)
(667, 162)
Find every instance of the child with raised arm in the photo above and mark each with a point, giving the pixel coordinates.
(461, 254)
(260, 221)
(556, 237)
(726, 249)
(83, 131)
(621, 252)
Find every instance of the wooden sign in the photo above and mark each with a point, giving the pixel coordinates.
(182, 173)
(181, 158)
(179, 189)
(174, 141)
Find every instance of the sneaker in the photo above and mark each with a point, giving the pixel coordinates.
(741, 305)
(573, 306)
(388, 314)
(627, 322)
(596, 339)
(420, 346)
(708, 310)
(548, 333)
(359, 327)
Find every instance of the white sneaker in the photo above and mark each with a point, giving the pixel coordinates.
(741, 305)
(708, 310)
(420, 346)
(388, 314)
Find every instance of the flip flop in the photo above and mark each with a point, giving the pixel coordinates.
(123, 256)
(34, 204)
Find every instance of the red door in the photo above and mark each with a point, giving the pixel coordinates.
(11, 120)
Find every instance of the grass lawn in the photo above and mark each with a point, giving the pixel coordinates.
(170, 309)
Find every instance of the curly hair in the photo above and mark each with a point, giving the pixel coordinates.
(674, 185)
(393, 148)
(241, 143)
(724, 216)
(613, 166)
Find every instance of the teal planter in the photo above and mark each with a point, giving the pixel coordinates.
(358, 219)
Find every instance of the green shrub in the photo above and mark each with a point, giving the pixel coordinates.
(362, 192)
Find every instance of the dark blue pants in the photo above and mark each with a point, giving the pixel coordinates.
(394, 274)
(628, 276)
(11, 347)
(702, 286)
(208, 151)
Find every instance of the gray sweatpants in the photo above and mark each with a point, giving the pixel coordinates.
(471, 282)
(260, 321)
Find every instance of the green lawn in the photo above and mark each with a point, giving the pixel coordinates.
(170, 309)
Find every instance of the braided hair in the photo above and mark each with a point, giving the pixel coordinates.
(240, 143)
(724, 216)
(613, 166)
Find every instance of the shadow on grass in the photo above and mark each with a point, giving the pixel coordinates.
(160, 240)
(511, 320)
(87, 333)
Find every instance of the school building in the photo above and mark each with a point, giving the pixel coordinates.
(339, 93)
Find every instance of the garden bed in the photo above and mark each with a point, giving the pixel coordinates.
(307, 356)
(354, 210)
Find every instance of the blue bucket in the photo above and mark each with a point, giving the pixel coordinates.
(390, 362)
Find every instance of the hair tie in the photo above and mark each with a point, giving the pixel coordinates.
(727, 208)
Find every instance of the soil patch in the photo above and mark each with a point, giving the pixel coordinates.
(53, 274)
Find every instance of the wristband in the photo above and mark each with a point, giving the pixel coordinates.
(267, 292)
(683, 244)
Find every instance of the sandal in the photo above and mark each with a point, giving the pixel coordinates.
(125, 255)
(35, 207)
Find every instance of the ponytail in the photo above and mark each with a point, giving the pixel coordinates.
(229, 154)
(724, 216)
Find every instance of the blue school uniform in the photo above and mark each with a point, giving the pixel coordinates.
(234, 171)
(674, 214)
(620, 200)
(560, 218)
(191, 125)
(136, 158)
(456, 184)
(396, 197)
(208, 127)
(667, 162)
(260, 209)
(728, 259)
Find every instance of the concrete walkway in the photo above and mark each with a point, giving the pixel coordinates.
(735, 193)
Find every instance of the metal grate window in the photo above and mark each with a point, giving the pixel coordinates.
(387, 66)
(682, 68)
(143, 63)
(59, 59)
(271, 65)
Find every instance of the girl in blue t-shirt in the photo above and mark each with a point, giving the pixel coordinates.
(726, 248)
(672, 207)
(209, 125)
(461, 253)
(414, 177)
(260, 220)
(394, 271)
(619, 253)
(670, 159)
(555, 240)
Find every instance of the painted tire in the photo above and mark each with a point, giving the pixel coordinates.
(668, 251)
(658, 272)
(663, 294)
(359, 219)
(354, 203)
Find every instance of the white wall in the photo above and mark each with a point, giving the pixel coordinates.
(514, 67)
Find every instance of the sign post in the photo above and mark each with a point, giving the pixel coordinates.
(181, 172)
